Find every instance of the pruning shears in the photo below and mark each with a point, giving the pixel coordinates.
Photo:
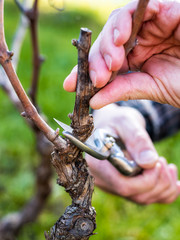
(102, 145)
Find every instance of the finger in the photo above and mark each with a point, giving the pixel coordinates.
(173, 172)
(107, 177)
(169, 200)
(71, 80)
(113, 37)
(133, 134)
(127, 87)
(107, 53)
(129, 125)
(167, 188)
(171, 197)
(173, 189)
(112, 55)
(98, 70)
(172, 192)
(139, 145)
(131, 131)
(141, 183)
(164, 188)
(121, 21)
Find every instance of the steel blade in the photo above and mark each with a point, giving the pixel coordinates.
(64, 126)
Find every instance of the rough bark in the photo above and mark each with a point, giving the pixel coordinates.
(78, 221)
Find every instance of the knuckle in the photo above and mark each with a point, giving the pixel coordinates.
(150, 184)
(170, 200)
(139, 200)
(173, 166)
(139, 138)
(171, 197)
(114, 12)
(128, 189)
(125, 191)
(166, 183)
(174, 169)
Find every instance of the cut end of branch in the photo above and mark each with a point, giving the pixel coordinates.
(86, 30)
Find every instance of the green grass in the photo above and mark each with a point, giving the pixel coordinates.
(117, 219)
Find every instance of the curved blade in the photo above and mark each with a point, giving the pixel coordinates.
(64, 126)
(85, 147)
(88, 146)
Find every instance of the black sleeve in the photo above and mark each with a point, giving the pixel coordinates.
(162, 120)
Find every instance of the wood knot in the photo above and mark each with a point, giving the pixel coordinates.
(5, 56)
(10, 54)
(83, 227)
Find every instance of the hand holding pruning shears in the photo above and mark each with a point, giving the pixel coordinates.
(156, 183)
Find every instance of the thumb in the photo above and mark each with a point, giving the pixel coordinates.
(138, 143)
(142, 149)
(125, 87)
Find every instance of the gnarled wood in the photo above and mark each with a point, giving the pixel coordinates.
(78, 221)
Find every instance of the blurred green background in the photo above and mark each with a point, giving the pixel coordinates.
(117, 219)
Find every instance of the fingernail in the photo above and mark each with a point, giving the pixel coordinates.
(92, 74)
(65, 80)
(158, 166)
(116, 35)
(108, 61)
(74, 69)
(147, 157)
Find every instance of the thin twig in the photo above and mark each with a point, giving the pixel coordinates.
(53, 5)
(37, 59)
(20, 6)
(32, 15)
(11, 224)
(19, 36)
(136, 25)
(16, 46)
(30, 110)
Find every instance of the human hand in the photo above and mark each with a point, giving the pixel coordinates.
(156, 57)
(158, 181)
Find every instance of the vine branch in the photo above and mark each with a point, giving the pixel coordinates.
(11, 224)
(32, 16)
(30, 110)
